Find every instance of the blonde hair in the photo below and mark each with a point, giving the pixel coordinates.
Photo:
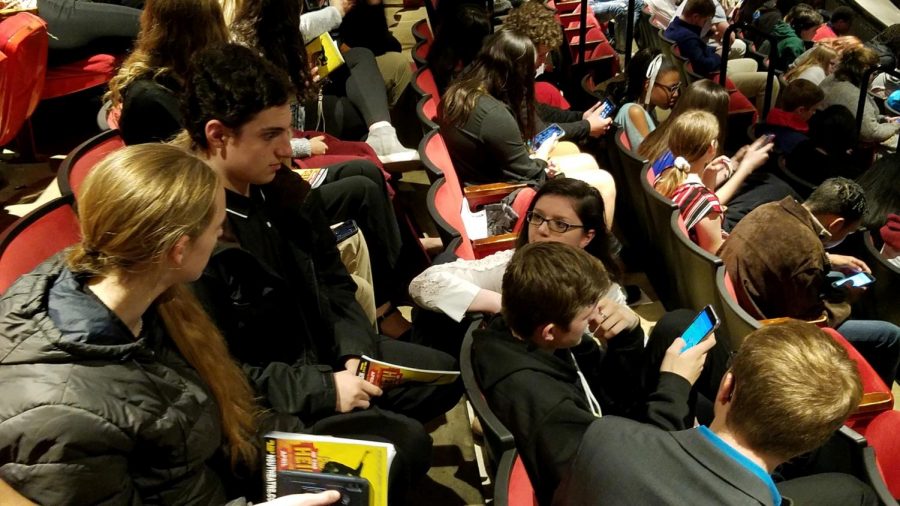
(133, 208)
(689, 138)
(821, 55)
(793, 387)
(841, 44)
(171, 32)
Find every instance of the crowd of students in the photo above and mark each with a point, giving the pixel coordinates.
(209, 301)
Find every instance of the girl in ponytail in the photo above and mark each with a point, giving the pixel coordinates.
(691, 180)
(117, 386)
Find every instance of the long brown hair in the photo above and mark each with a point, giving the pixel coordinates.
(133, 207)
(503, 69)
(705, 95)
(171, 32)
(272, 27)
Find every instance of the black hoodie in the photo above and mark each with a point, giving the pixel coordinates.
(537, 395)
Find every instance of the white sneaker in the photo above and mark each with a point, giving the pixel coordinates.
(384, 142)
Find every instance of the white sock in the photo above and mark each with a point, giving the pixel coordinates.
(379, 124)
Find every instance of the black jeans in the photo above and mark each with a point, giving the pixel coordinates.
(80, 28)
(354, 98)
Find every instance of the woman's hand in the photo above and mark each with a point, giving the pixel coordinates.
(318, 146)
(612, 319)
(722, 167)
(343, 6)
(314, 72)
(756, 155)
(543, 152)
(599, 126)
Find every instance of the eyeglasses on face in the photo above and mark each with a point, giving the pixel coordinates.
(671, 90)
(558, 226)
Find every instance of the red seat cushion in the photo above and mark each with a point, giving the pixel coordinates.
(35, 238)
(80, 75)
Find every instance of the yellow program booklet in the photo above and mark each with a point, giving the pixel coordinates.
(325, 54)
(304, 463)
(385, 375)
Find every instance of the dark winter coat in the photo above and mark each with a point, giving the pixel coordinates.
(91, 415)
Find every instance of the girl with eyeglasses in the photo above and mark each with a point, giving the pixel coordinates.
(652, 81)
(564, 210)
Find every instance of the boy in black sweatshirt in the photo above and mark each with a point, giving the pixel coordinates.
(545, 376)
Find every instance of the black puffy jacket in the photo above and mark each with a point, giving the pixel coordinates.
(88, 414)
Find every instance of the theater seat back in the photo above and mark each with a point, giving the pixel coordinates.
(36, 237)
(23, 41)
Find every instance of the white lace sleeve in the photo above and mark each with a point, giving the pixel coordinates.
(451, 287)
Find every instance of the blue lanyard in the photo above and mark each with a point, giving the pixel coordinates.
(742, 460)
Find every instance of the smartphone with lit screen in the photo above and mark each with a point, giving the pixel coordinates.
(700, 328)
(858, 280)
(552, 131)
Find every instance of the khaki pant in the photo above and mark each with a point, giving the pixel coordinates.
(743, 73)
(355, 256)
(397, 74)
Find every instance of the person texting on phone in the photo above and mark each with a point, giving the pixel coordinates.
(538, 22)
(691, 181)
(788, 389)
(778, 261)
(276, 286)
(545, 376)
(487, 114)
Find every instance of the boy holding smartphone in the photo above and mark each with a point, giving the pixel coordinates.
(788, 389)
(547, 379)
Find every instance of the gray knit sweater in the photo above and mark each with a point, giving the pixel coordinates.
(846, 94)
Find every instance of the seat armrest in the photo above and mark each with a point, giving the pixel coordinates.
(493, 244)
(479, 195)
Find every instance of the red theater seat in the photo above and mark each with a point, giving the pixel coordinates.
(36, 237)
(23, 43)
(73, 77)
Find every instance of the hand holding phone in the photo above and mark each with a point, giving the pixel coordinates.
(688, 365)
(700, 328)
(606, 110)
(546, 139)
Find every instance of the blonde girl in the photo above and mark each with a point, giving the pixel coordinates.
(692, 179)
(815, 65)
(118, 387)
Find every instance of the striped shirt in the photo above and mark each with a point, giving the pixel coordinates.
(695, 202)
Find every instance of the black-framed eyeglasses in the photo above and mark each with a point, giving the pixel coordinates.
(671, 90)
(558, 226)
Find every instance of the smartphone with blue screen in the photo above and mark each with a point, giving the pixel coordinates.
(858, 280)
(606, 109)
(546, 134)
(345, 230)
(700, 328)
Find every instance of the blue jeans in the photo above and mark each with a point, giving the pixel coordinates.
(608, 9)
(878, 342)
